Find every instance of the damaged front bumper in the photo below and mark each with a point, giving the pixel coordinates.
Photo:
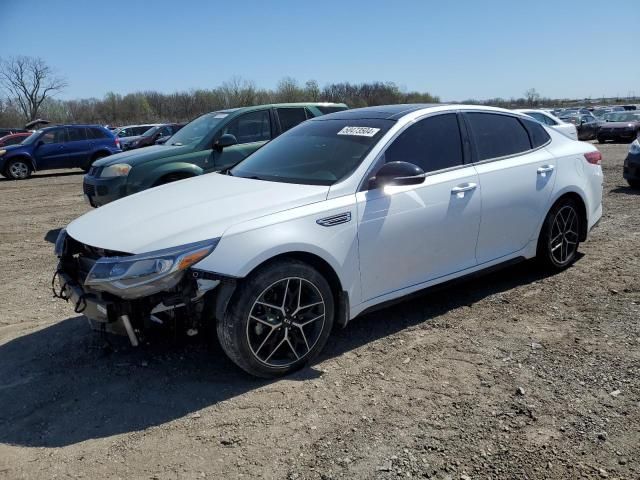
(102, 315)
(182, 304)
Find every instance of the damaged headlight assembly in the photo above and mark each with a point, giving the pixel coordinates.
(144, 274)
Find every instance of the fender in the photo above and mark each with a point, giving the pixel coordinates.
(169, 168)
(21, 155)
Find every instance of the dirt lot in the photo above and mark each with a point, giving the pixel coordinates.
(427, 388)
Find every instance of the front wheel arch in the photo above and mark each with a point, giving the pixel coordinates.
(23, 158)
(341, 296)
(172, 177)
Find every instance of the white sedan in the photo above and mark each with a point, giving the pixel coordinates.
(339, 215)
(547, 118)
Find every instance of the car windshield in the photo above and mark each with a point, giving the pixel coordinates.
(195, 131)
(314, 153)
(622, 117)
(32, 138)
(150, 132)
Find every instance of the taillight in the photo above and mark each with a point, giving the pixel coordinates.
(117, 142)
(594, 158)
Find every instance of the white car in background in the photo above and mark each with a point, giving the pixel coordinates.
(334, 217)
(547, 118)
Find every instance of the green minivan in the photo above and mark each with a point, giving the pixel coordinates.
(213, 142)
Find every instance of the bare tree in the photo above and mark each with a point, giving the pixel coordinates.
(29, 82)
(532, 97)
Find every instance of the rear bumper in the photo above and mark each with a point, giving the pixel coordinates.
(100, 191)
(631, 169)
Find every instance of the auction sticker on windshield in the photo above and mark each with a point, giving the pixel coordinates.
(359, 131)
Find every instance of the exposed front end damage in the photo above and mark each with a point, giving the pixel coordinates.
(180, 298)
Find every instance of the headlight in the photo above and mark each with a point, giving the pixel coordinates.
(117, 170)
(2, 152)
(148, 273)
(634, 148)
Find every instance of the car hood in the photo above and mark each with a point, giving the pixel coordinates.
(13, 148)
(187, 211)
(620, 124)
(136, 157)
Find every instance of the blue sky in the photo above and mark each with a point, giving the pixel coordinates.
(455, 49)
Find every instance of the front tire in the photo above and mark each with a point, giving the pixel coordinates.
(560, 236)
(278, 320)
(18, 169)
(635, 184)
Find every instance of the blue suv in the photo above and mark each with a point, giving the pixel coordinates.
(61, 146)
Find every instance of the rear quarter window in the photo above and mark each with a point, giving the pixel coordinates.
(537, 134)
(497, 135)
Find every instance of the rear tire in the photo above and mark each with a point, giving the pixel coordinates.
(635, 184)
(278, 320)
(601, 140)
(18, 169)
(560, 235)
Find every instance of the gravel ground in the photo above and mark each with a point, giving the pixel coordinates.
(516, 374)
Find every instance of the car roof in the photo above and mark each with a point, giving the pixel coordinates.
(48, 127)
(387, 112)
(281, 105)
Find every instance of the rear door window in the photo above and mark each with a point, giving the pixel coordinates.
(496, 135)
(76, 134)
(433, 144)
(251, 127)
(290, 117)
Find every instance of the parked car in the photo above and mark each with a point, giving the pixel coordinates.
(586, 124)
(133, 130)
(600, 112)
(631, 171)
(328, 221)
(619, 126)
(61, 146)
(212, 142)
(13, 139)
(150, 136)
(10, 131)
(552, 121)
(567, 112)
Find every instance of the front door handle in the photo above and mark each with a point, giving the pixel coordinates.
(545, 169)
(461, 189)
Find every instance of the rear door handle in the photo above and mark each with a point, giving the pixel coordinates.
(545, 169)
(461, 189)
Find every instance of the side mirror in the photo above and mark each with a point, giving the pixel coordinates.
(225, 140)
(39, 143)
(397, 173)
